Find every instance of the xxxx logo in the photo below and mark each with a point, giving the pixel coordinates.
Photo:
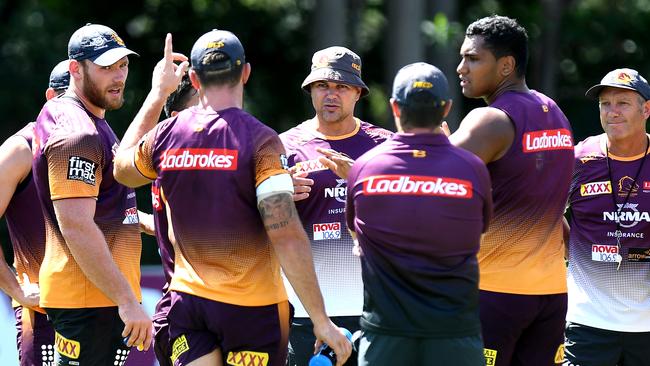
(248, 358)
(309, 166)
(67, 347)
(595, 188)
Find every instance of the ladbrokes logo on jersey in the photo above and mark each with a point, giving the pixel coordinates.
(199, 159)
(82, 169)
(544, 140)
(417, 186)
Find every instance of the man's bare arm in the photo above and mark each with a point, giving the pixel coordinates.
(90, 250)
(15, 165)
(166, 77)
(487, 132)
(292, 247)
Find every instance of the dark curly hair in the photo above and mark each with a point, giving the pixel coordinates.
(503, 36)
(177, 101)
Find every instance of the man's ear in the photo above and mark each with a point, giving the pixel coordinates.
(507, 66)
(50, 93)
(194, 79)
(447, 108)
(246, 73)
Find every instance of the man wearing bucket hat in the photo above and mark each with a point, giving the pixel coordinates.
(228, 302)
(20, 206)
(420, 276)
(335, 86)
(91, 270)
(609, 251)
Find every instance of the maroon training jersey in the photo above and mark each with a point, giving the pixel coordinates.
(25, 222)
(208, 165)
(419, 206)
(165, 247)
(323, 213)
(73, 158)
(609, 263)
(523, 252)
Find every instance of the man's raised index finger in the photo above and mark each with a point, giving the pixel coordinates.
(168, 48)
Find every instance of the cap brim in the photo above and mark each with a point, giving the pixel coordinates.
(112, 56)
(595, 90)
(335, 75)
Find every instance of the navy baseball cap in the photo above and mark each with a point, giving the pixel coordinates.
(217, 41)
(97, 43)
(60, 76)
(420, 84)
(336, 64)
(624, 79)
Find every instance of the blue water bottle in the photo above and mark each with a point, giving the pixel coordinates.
(326, 355)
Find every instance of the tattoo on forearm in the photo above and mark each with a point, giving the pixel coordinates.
(277, 211)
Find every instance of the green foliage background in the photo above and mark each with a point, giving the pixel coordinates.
(595, 36)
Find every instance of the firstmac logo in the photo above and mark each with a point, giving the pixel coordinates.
(82, 169)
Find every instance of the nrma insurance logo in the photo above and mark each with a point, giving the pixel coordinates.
(339, 192)
(627, 215)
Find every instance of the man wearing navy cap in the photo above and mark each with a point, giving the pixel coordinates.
(418, 206)
(609, 251)
(334, 85)
(91, 269)
(20, 206)
(228, 302)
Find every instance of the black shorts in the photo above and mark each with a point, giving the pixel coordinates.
(88, 337)
(386, 350)
(302, 339)
(600, 347)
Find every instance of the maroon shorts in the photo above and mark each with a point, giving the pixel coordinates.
(35, 337)
(246, 335)
(161, 345)
(523, 329)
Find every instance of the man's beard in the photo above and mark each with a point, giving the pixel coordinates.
(96, 97)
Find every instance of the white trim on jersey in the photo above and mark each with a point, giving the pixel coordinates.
(281, 183)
